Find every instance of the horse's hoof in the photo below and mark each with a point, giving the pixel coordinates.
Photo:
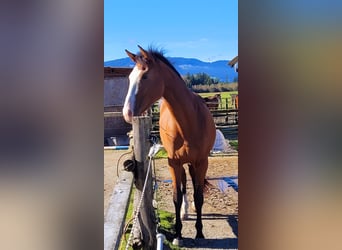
(177, 242)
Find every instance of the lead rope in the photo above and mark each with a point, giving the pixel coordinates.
(153, 151)
(154, 140)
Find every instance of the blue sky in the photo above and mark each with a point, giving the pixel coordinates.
(206, 30)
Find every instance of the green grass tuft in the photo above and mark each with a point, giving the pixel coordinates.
(129, 215)
(161, 154)
(167, 224)
(234, 144)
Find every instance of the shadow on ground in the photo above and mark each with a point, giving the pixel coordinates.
(224, 243)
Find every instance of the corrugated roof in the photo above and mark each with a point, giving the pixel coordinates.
(116, 72)
(233, 61)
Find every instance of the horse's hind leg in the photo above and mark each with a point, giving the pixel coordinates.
(176, 169)
(198, 174)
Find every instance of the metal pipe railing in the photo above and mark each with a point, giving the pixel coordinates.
(160, 240)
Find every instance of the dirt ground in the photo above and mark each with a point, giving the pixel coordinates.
(111, 158)
(220, 209)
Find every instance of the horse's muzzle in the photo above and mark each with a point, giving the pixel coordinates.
(127, 114)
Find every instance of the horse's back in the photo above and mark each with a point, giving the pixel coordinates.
(204, 118)
(192, 139)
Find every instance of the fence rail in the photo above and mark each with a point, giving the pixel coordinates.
(225, 117)
(225, 120)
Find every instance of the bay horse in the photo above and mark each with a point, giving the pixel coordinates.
(213, 101)
(236, 102)
(187, 129)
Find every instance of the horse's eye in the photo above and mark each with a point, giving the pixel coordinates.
(144, 76)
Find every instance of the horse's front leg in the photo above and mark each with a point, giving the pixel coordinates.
(175, 169)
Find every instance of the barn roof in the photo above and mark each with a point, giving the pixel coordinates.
(116, 72)
(233, 61)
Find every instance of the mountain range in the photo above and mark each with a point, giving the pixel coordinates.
(219, 69)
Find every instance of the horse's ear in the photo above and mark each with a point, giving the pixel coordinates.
(145, 55)
(143, 52)
(131, 55)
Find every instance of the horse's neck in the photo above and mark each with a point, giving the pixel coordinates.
(177, 96)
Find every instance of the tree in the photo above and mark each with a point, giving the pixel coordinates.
(188, 79)
(199, 79)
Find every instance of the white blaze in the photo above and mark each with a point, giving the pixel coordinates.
(134, 79)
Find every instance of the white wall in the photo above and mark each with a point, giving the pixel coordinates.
(115, 90)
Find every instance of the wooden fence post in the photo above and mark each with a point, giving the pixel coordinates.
(141, 134)
(233, 100)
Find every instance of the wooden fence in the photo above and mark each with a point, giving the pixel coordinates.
(146, 230)
(225, 117)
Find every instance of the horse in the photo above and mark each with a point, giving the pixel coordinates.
(236, 102)
(213, 101)
(187, 129)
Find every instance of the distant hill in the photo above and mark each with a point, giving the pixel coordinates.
(219, 69)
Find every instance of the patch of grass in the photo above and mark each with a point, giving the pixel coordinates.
(129, 215)
(225, 96)
(166, 221)
(161, 154)
(167, 224)
(234, 144)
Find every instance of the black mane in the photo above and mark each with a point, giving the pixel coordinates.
(159, 54)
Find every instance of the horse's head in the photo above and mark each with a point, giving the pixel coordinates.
(218, 96)
(145, 85)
